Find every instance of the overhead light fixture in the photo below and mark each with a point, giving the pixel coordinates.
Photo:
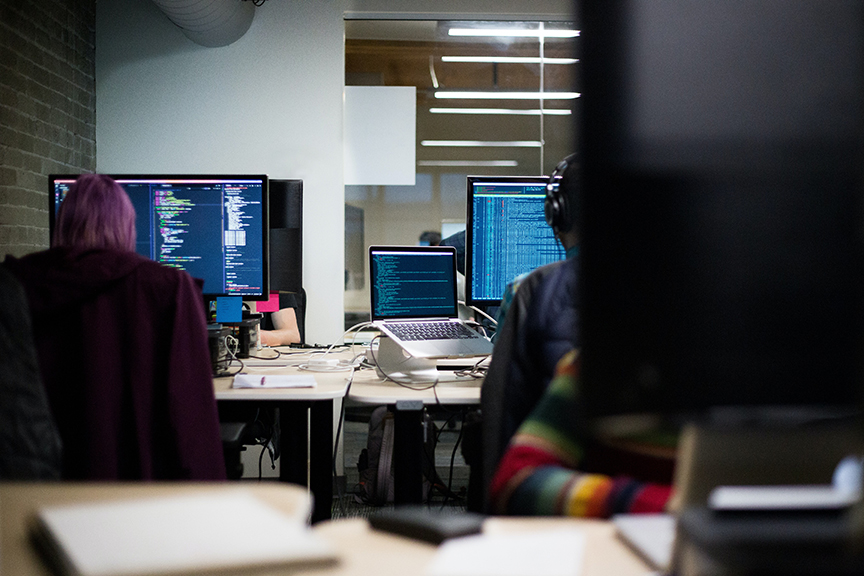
(460, 163)
(507, 95)
(483, 143)
(513, 33)
(501, 111)
(509, 60)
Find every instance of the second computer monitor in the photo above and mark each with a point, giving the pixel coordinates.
(212, 226)
(506, 234)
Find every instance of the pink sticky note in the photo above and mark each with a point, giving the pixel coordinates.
(271, 305)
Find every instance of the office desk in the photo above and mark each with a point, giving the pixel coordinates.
(306, 420)
(365, 551)
(362, 551)
(369, 389)
(18, 502)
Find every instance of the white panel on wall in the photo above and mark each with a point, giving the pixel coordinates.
(380, 135)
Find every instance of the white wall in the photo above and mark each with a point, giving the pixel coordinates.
(269, 103)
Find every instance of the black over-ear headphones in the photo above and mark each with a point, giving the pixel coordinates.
(556, 206)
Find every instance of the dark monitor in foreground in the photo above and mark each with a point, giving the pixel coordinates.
(213, 227)
(506, 234)
(722, 219)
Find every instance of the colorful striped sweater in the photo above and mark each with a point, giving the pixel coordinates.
(538, 474)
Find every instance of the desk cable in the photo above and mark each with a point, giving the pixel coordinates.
(448, 491)
(232, 346)
(320, 362)
(339, 493)
(482, 313)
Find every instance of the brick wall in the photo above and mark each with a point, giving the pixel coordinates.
(47, 110)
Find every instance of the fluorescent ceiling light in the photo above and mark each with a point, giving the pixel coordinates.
(513, 33)
(513, 111)
(482, 143)
(509, 59)
(508, 95)
(458, 163)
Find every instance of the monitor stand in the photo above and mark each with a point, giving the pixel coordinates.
(391, 361)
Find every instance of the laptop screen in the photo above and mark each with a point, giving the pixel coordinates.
(412, 282)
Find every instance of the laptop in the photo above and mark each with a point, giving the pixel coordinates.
(413, 302)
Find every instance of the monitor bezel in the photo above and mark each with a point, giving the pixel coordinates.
(265, 215)
(470, 299)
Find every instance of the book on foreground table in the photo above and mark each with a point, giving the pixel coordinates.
(200, 533)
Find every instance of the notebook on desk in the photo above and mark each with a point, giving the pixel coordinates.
(413, 302)
(227, 532)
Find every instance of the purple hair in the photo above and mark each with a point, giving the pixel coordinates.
(96, 213)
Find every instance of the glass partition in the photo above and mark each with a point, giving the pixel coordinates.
(493, 98)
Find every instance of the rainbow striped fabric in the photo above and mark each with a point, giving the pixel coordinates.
(538, 474)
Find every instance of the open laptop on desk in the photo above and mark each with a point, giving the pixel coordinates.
(413, 290)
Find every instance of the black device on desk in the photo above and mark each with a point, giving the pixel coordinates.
(422, 523)
(721, 252)
(217, 336)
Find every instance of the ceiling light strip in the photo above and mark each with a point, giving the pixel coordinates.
(512, 33)
(461, 163)
(483, 143)
(507, 95)
(502, 111)
(509, 60)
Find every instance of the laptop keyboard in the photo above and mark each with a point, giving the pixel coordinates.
(408, 331)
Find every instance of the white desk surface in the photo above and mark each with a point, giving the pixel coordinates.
(367, 386)
(330, 385)
(366, 551)
(362, 551)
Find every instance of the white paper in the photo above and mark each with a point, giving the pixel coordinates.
(545, 553)
(652, 536)
(274, 381)
(179, 534)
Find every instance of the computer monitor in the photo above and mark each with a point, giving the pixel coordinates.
(215, 227)
(506, 234)
(721, 250)
(286, 235)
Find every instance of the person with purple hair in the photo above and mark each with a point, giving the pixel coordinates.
(122, 347)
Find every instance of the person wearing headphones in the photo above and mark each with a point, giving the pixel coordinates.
(537, 324)
(543, 462)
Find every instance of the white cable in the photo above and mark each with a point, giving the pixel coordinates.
(481, 312)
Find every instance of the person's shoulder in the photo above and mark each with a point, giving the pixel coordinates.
(540, 274)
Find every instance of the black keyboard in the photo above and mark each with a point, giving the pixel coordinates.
(431, 331)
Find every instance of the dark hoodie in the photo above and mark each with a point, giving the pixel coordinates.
(122, 347)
